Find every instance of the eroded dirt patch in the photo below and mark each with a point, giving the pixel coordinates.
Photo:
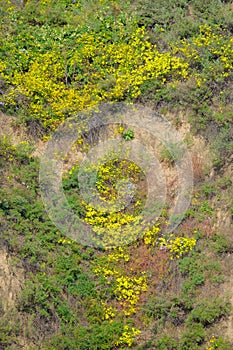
(11, 278)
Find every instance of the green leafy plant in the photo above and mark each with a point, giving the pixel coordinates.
(128, 135)
(206, 312)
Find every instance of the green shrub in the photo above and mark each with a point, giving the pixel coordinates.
(93, 337)
(191, 265)
(193, 337)
(208, 311)
(220, 243)
(165, 342)
(128, 134)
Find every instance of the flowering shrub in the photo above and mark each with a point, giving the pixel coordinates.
(101, 70)
(115, 178)
(216, 342)
(213, 343)
(177, 246)
(128, 336)
(108, 220)
(109, 312)
(128, 290)
(209, 54)
(151, 235)
(113, 171)
(118, 254)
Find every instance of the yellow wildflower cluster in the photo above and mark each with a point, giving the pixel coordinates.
(106, 220)
(109, 311)
(115, 224)
(213, 343)
(63, 240)
(112, 171)
(118, 254)
(212, 45)
(127, 288)
(128, 336)
(151, 235)
(128, 291)
(107, 71)
(127, 64)
(7, 149)
(112, 225)
(106, 272)
(177, 246)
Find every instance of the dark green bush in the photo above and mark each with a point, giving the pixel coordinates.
(165, 342)
(208, 311)
(193, 337)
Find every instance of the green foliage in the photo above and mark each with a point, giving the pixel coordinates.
(56, 58)
(165, 342)
(128, 134)
(171, 152)
(205, 208)
(163, 310)
(220, 243)
(193, 337)
(94, 337)
(8, 331)
(190, 265)
(208, 311)
(208, 190)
